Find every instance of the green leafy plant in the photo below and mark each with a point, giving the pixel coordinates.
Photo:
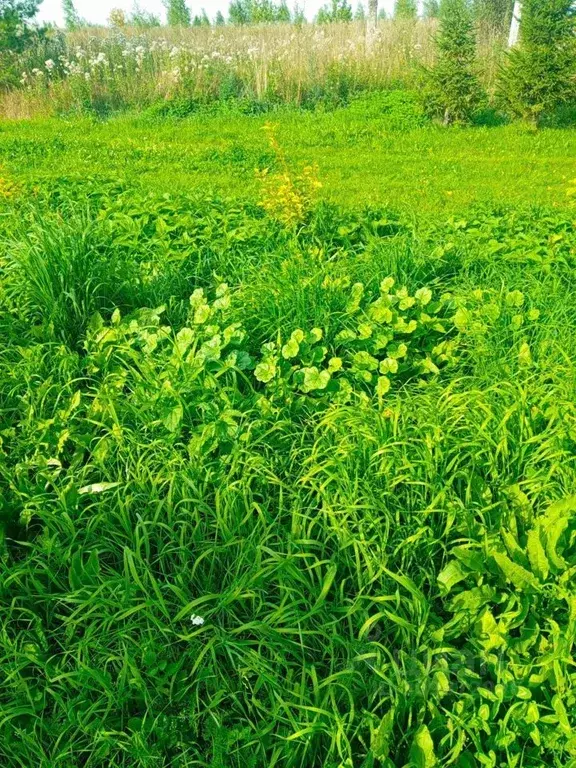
(394, 337)
(260, 502)
(178, 382)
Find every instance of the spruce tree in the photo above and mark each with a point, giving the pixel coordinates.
(539, 74)
(220, 21)
(453, 91)
(405, 9)
(178, 13)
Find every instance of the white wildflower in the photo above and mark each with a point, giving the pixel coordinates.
(196, 620)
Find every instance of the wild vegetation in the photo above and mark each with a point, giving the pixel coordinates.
(284, 482)
(288, 419)
(99, 71)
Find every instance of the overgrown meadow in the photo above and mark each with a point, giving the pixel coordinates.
(259, 68)
(286, 478)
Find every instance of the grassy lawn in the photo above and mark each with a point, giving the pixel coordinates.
(287, 482)
(361, 159)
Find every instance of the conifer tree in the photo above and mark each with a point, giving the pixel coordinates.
(539, 74)
(453, 91)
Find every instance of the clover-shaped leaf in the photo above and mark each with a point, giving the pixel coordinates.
(383, 386)
(389, 365)
(423, 296)
(266, 370)
(314, 379)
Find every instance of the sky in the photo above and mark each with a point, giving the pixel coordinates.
(97, 11)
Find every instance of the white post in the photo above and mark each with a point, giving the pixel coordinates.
(515, 25)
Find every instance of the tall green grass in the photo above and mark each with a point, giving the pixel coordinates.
(197, 572)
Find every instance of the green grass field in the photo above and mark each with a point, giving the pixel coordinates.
(363, 156)
(287, 474)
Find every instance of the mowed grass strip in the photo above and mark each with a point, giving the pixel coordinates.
(361, 160)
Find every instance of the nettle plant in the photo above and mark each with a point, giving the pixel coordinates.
(484, 312)
(509, 590)
(393, 337)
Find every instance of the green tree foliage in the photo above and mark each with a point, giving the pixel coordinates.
(71, 18)
(360, 13)
(220, 21)
(495, 13)
(258, 12)
(336, 10)
(239, 12)
(405, 9)
(539, 74)
(263, 12)
(178, 13)
(431, 9)
(202, 20)
(453, 91)
(283, 15)
(143, 19)
(298, 16)
(15, 33)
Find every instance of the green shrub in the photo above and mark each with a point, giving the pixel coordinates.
(539, 74)
(453, 92)
(399, 110)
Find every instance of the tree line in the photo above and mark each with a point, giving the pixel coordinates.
(243, 12)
